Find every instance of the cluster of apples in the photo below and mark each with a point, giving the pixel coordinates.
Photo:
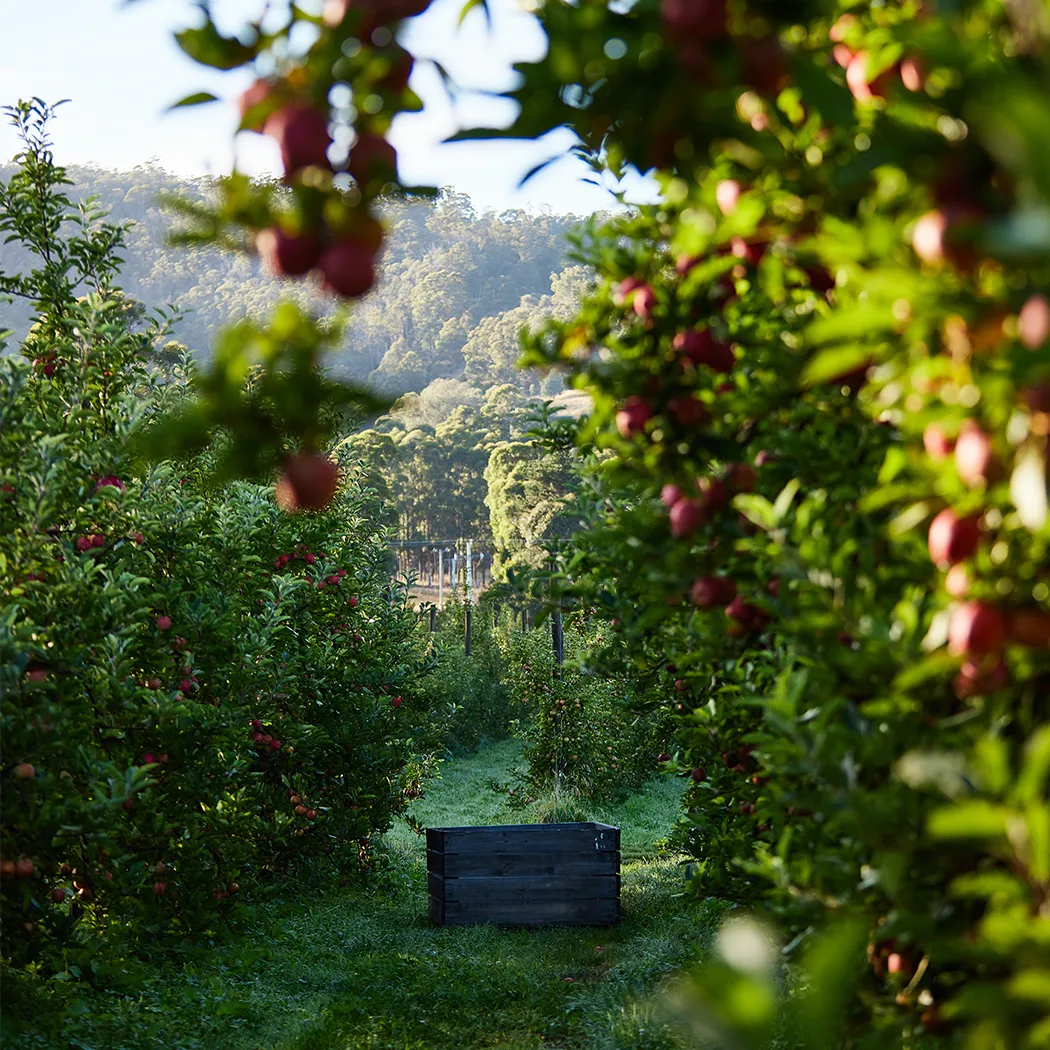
(979, 629)
(344, 259)
(264, 740)
(343, 256)
(300, 807)
(308, 558)
(864, 80)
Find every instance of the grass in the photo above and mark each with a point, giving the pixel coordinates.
(364, 968)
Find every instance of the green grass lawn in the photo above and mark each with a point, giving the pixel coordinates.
(366, 968)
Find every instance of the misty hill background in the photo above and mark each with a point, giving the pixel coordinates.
(456, 285)
(453, 458)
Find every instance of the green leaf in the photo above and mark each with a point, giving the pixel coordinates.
(975, 819)
(1032, 778)
(196, 99)
(833, 965)
(209, 47)
(756, 509)
(785, 499)
(831, 364)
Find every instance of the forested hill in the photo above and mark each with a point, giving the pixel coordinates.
(456, 285)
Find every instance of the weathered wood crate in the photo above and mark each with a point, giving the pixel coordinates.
(525, 875)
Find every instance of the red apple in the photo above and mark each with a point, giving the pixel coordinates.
(1033, 322)
(701, 347)
(948, 234)
(952, 539)
(301, 131)
(686, 516)
(670, 495)
(624, 293)
(740, 611)
(372, 159)
(631, 419)
(957, 582)
(976, 627)
(708, 591)
(937, 444)
(727, 194)
(275, 745)
(163, 623)
(687, 409)
(974, 459)
(110, 481)
(913, 76)
(397, 701)
(309, 481)
(24, 771)
(58, 894)
(643, 303)
(287, 254)
(740, 477)
(699, 774)
(348, 268)
(861, 84)
(713, 491)
(160, 888)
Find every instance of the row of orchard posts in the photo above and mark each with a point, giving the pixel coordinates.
(557, 634)
(445, 565)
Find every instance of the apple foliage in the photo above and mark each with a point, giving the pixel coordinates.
(201, 697)
(564, 714)
(821, 362)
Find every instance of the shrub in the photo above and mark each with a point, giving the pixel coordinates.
(583, 732)
(470, 688)
(201, 695)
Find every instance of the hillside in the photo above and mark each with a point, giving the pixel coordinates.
(455, 289)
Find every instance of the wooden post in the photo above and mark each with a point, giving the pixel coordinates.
(441, 578)
(558, 640)
(433, 619)
(468, 625)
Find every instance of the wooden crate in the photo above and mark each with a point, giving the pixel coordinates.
(524, 875)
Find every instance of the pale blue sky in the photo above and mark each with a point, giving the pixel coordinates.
(120, 68)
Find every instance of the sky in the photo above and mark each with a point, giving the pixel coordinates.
(120, 68)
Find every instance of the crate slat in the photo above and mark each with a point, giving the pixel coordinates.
(603, 911)
(520, 838)
(462, 865)
(521, 890)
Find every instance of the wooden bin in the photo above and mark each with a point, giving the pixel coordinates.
(525, 874)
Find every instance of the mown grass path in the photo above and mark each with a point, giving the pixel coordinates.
(366, 969)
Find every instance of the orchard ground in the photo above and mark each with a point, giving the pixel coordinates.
(364, 967)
